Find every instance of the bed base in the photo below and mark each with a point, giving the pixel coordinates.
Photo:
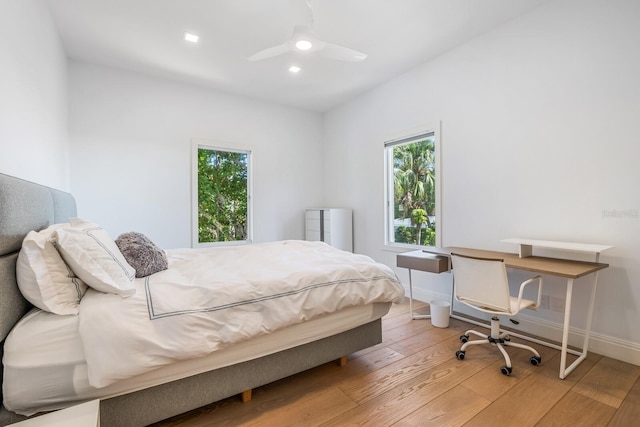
(167, 400)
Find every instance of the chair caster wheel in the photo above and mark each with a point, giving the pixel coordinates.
(506, 370)
(535, 360)
(460, 354)
(464, 338)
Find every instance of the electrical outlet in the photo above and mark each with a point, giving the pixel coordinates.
(556, 304)
(544, 302)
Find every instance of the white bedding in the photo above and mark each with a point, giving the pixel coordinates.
(211, 298)
(45, 368)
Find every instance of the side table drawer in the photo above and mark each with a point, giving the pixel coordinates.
(423, 261)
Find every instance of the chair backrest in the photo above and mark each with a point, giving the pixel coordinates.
(481, 282)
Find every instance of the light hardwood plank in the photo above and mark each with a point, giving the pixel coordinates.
(312, 410)
(609, 381)
(535, 395)
(485, 384)
(378, 382)
(415, 343)
(376, 359)
(451, 409)
(577, 410)
(629, 412)
(406, 397)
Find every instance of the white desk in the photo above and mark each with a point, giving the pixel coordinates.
(569, 269)
(83, 415)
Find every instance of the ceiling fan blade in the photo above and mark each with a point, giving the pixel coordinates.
(341, 53)
(271, 52)
(302, 33)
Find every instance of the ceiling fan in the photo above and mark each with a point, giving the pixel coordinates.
(304, 41)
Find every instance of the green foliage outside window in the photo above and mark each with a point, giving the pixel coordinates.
(222, 195)
(414, 198)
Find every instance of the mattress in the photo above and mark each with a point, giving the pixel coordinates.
(45, 367)
(212, 298)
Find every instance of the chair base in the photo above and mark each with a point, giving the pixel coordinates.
(498, 339)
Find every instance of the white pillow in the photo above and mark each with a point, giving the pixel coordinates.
(43, 277)
(94, 257)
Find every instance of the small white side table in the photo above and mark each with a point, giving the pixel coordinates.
(422, 260)
(83, 415)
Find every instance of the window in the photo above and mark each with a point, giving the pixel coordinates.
(221, 193)
(412, 193)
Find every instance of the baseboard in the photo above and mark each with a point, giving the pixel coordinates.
(598, 343)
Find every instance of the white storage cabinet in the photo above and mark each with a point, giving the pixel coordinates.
(330, 225)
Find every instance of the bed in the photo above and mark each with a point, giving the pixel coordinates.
(146, 396)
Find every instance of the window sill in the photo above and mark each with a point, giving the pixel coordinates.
(390, 247)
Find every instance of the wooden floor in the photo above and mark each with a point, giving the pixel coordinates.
(414, 379)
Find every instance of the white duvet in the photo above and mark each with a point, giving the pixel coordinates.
(211, 298)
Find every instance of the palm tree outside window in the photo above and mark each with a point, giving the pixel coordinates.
(412, 208)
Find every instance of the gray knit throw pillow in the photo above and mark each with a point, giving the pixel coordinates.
(141, 253)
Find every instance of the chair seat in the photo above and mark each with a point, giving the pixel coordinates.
(525, 303)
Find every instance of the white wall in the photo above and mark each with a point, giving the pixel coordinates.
(33, 95)
(539, 136)
(131, 138)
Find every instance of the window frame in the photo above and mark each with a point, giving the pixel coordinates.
(209, 145)
(406, 138)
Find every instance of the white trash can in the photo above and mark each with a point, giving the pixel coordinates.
(440, 313)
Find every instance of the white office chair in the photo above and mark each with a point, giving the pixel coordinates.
(482, 283)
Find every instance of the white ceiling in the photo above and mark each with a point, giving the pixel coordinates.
(147, 36)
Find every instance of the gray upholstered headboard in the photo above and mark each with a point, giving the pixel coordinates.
(24, 206)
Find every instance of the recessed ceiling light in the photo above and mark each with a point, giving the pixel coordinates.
(191, 37)
(303, 44)
(294, 68)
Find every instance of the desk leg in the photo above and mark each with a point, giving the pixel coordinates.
(592, 302)
(417, 316)
(582, 355)
(410, 295)
(565, 330)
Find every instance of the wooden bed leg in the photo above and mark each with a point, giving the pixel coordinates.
(246, 396)
(342, 361)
